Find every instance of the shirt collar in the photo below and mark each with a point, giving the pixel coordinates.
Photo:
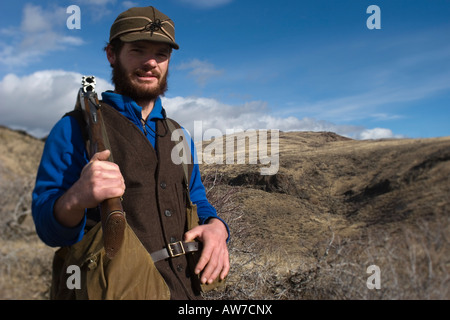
(129, 108)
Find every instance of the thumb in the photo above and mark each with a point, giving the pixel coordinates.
(192, 234)
(101, 156)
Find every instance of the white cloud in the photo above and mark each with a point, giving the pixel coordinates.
(39, 32)
(375, 104)
(131, 4)
(212, 114)
(97, 2)
(377, 133)
(73, 41)
(36, 20)
(206, 4)
(35, 102)
(97, 8)
(201, 71)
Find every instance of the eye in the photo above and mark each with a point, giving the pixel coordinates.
(163, 55)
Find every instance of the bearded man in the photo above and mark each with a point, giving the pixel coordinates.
(70, 186)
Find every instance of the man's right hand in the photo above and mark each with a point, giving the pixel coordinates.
(99, 180)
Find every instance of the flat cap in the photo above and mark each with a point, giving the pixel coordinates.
(144, 23)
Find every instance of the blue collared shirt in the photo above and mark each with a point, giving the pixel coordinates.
(64, 157)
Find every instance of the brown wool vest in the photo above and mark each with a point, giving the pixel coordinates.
(155, 195)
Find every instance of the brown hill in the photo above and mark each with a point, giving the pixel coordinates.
(335, 207)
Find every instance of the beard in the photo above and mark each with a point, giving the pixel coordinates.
(123, 85)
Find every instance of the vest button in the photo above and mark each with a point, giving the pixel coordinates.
(179, 268)
(168, 213)
(163, 185)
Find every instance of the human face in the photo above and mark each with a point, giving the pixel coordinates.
(140, 70)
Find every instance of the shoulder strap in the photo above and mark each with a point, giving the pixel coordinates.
(172, 128)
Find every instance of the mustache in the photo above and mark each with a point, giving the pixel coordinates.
(144, 72)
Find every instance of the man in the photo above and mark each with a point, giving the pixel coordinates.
(69, 184)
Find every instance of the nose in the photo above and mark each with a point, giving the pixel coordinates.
(151, 62)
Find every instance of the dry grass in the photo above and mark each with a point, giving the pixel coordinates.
(413, 261)
(24, 260)
(339, 207)
(25, 270)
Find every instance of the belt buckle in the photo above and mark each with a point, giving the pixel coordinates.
(170, 249)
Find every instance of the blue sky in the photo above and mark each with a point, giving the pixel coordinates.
(287, 65)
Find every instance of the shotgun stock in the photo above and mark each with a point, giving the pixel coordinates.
(112, 214)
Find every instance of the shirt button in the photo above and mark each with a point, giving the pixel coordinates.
(168, 213)
(179, 268)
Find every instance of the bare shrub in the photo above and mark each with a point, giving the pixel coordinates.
(25, 270)
(224, 199)
(413, 263)
(25, 262)
(15, 208)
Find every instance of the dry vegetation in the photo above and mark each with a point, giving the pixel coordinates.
(24, 259)
(335, 207)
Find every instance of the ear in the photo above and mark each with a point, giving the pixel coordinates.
(110, 55)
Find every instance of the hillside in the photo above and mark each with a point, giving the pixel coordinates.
(335, 207)
(24, 260)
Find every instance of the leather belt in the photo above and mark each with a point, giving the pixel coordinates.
(175, 249)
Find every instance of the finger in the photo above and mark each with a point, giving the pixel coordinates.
(106, 183)
(203, 261)
(213, 269)
(226, 266)
(107, 171)
(218, 265)
(100, 162)
(101, 156)
(111, 193)
(192, 234)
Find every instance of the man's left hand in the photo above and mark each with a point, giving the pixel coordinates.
(214, 260)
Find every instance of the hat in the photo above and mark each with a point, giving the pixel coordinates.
(144, 23)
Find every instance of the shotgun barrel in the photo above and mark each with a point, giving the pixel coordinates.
(111, 210)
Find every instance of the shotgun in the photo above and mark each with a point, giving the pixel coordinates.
(111, 211)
